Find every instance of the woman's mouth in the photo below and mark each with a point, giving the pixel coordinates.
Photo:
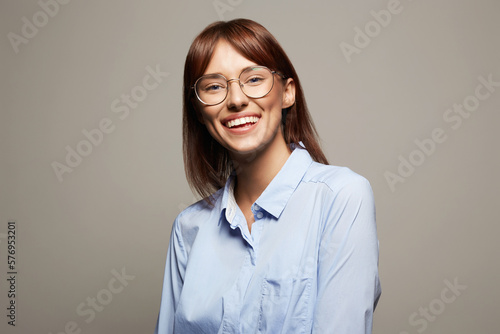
(242, 122)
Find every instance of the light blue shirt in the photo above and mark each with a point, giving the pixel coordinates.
(310, 264)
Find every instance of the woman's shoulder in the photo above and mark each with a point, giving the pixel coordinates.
(337, 178)
(195, 218)
(203, 208)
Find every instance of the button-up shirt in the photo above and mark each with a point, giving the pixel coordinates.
(309, 265)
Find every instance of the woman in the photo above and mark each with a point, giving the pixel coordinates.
(286, 243)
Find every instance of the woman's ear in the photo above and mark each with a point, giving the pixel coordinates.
(288, 93)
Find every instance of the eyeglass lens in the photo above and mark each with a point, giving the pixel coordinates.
(255, 82)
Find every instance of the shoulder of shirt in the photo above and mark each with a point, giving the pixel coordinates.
(200, 208)
(189, 222)
(336, 178)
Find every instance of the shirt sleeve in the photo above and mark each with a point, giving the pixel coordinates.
(348, 281)
(172, 281)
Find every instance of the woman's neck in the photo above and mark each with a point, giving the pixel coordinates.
(256, 170)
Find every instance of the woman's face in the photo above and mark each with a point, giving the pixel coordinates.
(261, 130)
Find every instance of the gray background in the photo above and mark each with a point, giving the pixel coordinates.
(115, 209)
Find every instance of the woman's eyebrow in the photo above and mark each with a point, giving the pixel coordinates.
(243, 69)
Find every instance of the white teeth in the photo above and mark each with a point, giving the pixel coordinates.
(242, 120)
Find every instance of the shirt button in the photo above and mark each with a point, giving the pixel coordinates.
(260, 214)
(256, 207)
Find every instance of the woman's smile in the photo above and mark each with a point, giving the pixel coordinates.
(240, 122)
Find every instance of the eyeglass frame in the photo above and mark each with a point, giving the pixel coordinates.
(240, 84)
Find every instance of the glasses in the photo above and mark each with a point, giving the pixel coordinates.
(255, 82)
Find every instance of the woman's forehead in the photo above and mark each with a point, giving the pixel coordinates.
(226, 60)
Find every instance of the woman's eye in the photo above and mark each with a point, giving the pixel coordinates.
(254, 80)
(214, 88)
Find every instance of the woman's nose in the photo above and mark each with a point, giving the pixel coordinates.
(235, 96)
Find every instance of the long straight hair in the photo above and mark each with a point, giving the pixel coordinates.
(206, 162)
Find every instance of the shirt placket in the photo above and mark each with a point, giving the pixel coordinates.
(233, 300)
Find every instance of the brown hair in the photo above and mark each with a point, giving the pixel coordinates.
(207, 163)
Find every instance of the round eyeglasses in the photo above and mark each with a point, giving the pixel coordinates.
(255, 82)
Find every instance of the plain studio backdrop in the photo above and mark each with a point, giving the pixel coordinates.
(406, 93)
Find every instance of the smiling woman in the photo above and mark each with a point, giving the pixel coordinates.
(282, 242)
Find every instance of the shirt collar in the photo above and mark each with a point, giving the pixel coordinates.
(278, 192)
(229, 206)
